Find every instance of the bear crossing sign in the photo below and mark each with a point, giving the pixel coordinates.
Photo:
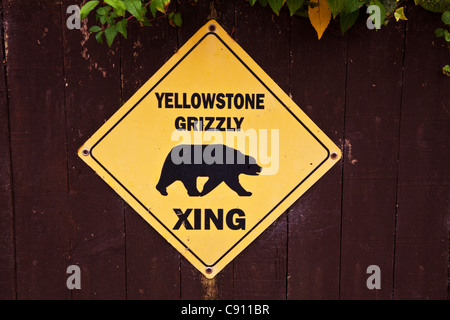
(210, 151)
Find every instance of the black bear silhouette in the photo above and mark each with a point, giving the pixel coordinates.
(216, 161)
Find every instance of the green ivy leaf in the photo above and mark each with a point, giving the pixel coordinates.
(102, 14)
(134, 7)
(94, 29)
(158, 5)
(154, 7)
(103, 11)
(88, 7)
(103, 19)
(347, 21)
(336, 7)
(110, 33)
(294, 5)
(434, 5)
(446, 17)
(263, 2)
(439, 32)
(121, 27)
(111, 17)
(352, 5)
(116, 4)
(166, 5)
(177, 19)
(447, 36)
(446, 70)
(252, 2)
(99, 37)
(276, 5)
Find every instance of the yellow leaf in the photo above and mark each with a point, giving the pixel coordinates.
(320, 16)
(399, 14)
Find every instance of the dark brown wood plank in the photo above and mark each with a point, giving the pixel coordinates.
(7, 258)
(421, 253)
(193, 284)
(317, 84)
(195, 15)
(92, 94)
(153, 265)
(38, 146)
(373, 99)
(260, 270)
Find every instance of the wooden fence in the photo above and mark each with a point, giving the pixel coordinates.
(378, 94)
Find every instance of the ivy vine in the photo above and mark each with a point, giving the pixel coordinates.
(113, 16)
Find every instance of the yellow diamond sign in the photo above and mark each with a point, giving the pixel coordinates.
(210, 151)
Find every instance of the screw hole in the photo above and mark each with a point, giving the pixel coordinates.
(85, 152)
(212, 27)
(208, 270)
(334, 155)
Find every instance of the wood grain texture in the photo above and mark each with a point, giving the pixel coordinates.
(153, 265)
(423, 215)
(260, 270)
(317, 84)
(38, 141)
(92, 94)
(373, 98)
(7, 258)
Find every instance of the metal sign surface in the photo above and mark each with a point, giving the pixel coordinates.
(210, 151)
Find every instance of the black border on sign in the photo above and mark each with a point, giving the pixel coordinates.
(142, 205)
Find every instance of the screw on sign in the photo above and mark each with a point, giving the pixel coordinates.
(210, 151)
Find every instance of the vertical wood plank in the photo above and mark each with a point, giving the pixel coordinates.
(421, 253)
(38, 146)
(260, 270)
(193, 284)
(373, 101)
(153, 265)
(93, 94)
(317, 84)
(7, 258)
